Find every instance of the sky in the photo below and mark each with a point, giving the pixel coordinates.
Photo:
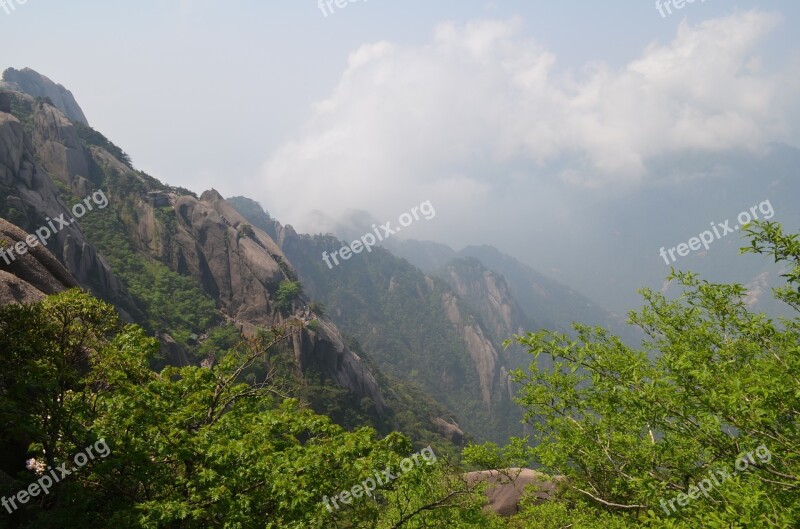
(513, 118)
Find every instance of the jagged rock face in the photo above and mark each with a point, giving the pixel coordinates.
(240, 268)
(487, 292)
(325, 348)
(37, 85)
(58, 146)
(236, 269)
(31, 276)
(484, 355)
(35, 195)
(12, 147)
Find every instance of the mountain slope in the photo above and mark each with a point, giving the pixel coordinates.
(181, 266)
(415, 326)
(544, 302)
(37, 85)
(547, 302)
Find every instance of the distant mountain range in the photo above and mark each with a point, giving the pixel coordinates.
(436, 317)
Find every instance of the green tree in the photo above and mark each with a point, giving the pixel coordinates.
(288, 292)
(191, 447)
(46, 350)
(631, 429)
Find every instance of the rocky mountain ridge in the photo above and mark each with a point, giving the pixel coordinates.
(417, 327)
(33, 83)
(46, 161)
(440, 330)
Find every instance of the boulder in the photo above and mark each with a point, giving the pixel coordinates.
(506, 487)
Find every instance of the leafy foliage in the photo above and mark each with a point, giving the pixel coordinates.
(92, 137)
(190, 447)
(165, 300)
(632, 429)
(288, 292)
(246, 230)
(317, 308)
(22, 109)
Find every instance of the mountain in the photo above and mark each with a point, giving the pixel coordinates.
(189, 270)
(415, 326)
(550, 304)
(37, 85)
(40, 155)
(544, 302)
(435, 316)
(416, 348)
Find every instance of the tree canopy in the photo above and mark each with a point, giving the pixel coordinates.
(713, 394)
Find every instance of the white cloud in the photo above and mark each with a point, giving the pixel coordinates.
(457, 120)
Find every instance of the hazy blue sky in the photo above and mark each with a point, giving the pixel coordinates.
(495, 111)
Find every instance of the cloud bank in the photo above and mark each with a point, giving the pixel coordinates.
(481, 121)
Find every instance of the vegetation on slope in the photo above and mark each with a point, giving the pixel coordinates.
(165, 300)
(699, 428)
(395, 314)
(634, 433)
(192, 447)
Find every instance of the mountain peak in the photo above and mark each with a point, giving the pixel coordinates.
(211, 196)
(35, 84)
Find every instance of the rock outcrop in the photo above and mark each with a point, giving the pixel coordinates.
(488, 292)
(450, 430)
(483, 354)
(26, 166)
(242, 267)
(37, 85)
(507, 486)
(31, 276)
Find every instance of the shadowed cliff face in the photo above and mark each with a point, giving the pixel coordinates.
(242, 267)
(44, 157)
(31, 276)
(28, 162)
